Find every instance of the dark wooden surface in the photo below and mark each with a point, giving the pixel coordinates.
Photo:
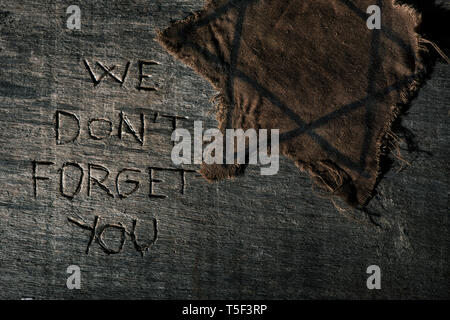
(251, 237)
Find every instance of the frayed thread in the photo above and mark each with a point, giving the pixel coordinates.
(436, 47)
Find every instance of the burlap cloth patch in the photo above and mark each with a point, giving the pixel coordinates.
(312, 69)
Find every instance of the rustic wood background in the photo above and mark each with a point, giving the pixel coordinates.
(253, 237)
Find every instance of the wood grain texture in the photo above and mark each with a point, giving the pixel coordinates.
(251, 237)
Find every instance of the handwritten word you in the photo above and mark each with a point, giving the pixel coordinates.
(98, 232)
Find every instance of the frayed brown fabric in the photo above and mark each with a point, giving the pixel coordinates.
(312, 69)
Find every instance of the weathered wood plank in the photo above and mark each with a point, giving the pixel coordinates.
(252, 237)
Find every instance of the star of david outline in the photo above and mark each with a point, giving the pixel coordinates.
(371, 98)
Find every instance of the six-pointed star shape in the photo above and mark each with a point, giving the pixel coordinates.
(278, 65)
